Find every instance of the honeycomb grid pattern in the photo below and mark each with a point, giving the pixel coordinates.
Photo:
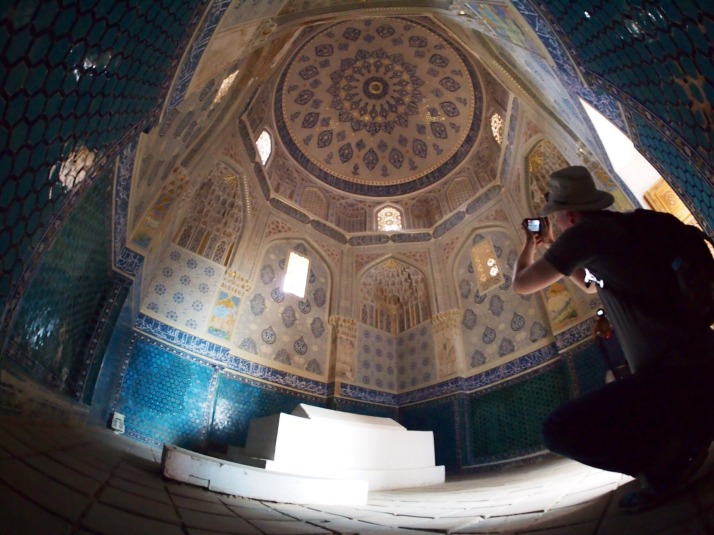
(51, 332)
(590, 368)
(616, 42)
(74, 79)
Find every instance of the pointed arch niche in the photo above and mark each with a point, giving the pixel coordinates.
(389, 218)
(395, 347)
(394, 297)
(542, 160)
(214, 220)
(279, 328)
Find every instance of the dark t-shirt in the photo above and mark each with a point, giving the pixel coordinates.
(637, 285)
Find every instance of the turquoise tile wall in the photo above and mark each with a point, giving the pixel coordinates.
(670, 99)
(112, 364)
(441, 418)
(75, 78)
(590, 368)
(359, 407)
(239, 400)
(505, 422)
(165, 396)
(61, 308)
(113, 300)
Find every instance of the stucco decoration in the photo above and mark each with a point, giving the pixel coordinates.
(378, 106)
(497, 324)
(287, 330)
(394, 297)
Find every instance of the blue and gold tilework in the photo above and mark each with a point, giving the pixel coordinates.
(287, 331)
(183, 290)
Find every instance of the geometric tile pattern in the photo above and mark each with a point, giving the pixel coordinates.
(202, 348)
(205, 32)
(675, 90)
(416, 361)
(279, 326)
(183, 289)
(590, 366)
(395, 363)
(505, 422)
(61, 307)
(681, 173)
(378, 107)
(165, 397)
(75, 79)
(368, 409)
(239, 400)
(439, 417)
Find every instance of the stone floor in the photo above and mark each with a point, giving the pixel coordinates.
(56, 480)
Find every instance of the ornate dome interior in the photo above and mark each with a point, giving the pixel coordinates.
(163, 183)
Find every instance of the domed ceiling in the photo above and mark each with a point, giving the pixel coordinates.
(378, 107)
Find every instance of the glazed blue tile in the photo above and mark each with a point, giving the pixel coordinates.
(165, 397)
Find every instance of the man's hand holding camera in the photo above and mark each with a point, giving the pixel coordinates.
(538, 230)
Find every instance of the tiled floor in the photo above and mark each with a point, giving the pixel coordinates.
(56, 480)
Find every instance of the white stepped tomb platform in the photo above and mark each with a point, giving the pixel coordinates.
(314, 455)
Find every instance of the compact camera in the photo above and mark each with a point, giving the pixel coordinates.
(533, 224)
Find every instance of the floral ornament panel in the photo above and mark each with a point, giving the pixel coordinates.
(181, 293)
(288, 316)
(300, 346)
(257, 304)
(355, 104)
(317, 327)
(224, 315)
(268, 335)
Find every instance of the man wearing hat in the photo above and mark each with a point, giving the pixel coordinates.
(649, 425)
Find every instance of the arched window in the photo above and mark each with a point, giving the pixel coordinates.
(264, 146)
(389, 218)
(497, 127)
(485, 262)
(296, 274)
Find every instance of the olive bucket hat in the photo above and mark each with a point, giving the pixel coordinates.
(573, 188)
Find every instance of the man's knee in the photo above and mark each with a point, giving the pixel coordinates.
(556, 432)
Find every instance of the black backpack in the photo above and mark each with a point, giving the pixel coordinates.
(687, 262)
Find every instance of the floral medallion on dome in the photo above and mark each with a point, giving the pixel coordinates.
(378, 106)
(288, 316)
(268, 335)
(300, 346)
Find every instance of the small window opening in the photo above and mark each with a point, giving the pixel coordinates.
(388, 219)
(497, 127)
(485, 263)
(265, 146)
(296, 275)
